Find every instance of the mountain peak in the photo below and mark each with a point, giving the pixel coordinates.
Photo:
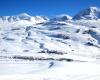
(93, 7)
(62, 17)
(24, 14)
(88, 14)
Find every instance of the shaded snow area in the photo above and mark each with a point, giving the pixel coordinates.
(49, 49)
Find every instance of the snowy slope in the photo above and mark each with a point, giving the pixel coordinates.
(71, 37)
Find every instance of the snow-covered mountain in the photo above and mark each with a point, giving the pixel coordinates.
(61, 37)
(51, 45)
(62, 17)
(24, 17)
(91, 13)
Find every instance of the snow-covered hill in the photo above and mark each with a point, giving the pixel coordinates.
(38, 41)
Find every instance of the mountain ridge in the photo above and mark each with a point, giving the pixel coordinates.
(90, 13)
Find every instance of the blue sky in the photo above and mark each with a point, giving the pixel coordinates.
(45, 7)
